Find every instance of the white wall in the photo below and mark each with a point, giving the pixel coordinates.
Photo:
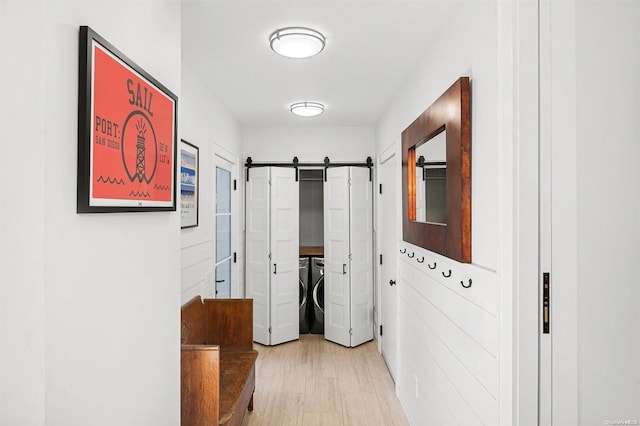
(309, 144)
(596, 242)
(22, 212)
(90, 303)
(208, 125)
(431, 362)
(451, 55)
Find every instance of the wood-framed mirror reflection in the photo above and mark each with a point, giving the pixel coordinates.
(431, 180)
(436, 175)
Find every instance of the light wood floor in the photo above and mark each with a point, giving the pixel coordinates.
(315, 382)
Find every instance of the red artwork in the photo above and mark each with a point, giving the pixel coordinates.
(130, 135)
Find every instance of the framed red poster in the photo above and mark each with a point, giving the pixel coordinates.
(127, 133)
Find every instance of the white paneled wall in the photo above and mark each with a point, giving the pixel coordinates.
(208, 125)
(196, 271)
(448, 338)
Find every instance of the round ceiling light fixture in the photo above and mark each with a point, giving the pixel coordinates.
(297, 42)
(307, 109)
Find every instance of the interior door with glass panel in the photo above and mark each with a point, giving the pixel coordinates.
(223, 231)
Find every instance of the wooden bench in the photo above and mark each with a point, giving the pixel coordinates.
(218, 375)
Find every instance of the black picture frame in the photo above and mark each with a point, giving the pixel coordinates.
(127, 133)
(189, 184)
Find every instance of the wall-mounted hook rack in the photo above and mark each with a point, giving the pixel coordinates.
(447, 276)
(403, 251)
(421, 260)
(411, 255)
(464, 285)
(432, 267)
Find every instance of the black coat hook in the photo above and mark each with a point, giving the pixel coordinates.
(432, 267)
(403, 251)
(465, 286)
(447, 276)
(411, 255)
(421, 259)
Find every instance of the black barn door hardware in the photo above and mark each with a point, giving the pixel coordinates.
(295, 163)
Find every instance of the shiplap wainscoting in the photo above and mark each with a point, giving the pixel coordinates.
(196, 277)
(448, 340)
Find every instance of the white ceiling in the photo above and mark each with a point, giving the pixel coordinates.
(372, 47)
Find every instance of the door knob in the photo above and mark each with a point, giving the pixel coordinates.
(392, 282)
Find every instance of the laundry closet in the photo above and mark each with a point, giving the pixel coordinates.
(309, 251)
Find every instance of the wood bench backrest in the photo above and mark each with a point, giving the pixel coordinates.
(224, 322)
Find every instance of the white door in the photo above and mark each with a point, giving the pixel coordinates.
(257, 251)
(595, 211)
(388, 237)
(361, 254)
(285, 206)
(336, 256)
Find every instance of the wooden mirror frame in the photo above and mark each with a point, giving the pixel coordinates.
(451, 112)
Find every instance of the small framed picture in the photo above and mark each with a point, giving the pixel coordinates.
(189, 182)
(126, 133)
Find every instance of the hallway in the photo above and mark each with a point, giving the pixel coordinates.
(315, 382)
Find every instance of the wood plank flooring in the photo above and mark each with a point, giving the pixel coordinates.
(315, 382)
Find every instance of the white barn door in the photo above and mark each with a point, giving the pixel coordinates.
(272, 253)
(285, 244)
(348, 256)
(361, 259)
(336, 256)
(257, 251)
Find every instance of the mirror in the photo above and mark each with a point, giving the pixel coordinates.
(431, 180)
(436, 175)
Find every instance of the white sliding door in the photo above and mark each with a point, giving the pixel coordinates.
(272, 253)
(348, 256)
(285, 206)
(361, 243)
(336, 256)
(258, 249)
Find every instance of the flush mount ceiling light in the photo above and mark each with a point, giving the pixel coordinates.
(297, 42)
(307, 109)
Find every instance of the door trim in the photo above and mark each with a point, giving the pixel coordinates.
(391, 152)
(518, 201)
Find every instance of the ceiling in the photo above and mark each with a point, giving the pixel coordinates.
(372, 47)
